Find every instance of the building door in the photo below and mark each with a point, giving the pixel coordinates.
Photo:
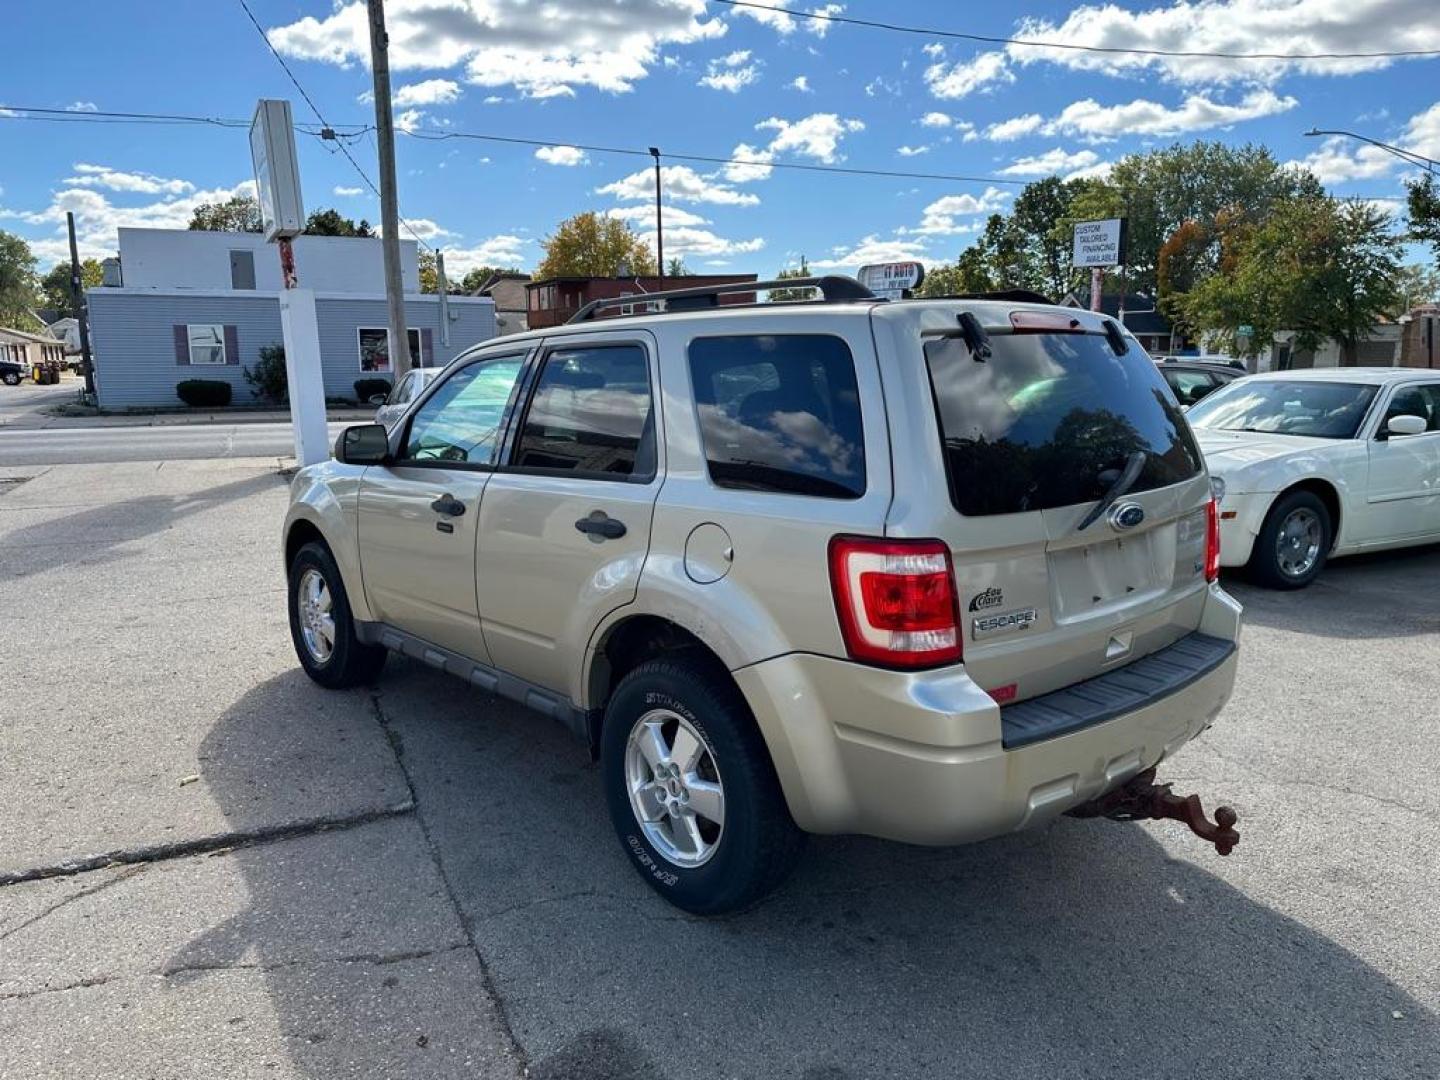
(242, 269)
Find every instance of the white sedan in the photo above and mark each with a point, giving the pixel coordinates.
(1310, 464)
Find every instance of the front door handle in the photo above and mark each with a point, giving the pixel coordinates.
(448, 505)
(602, 525)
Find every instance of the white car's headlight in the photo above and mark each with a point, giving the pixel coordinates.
(1217, 487)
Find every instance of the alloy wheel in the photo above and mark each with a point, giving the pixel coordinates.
(675, 788)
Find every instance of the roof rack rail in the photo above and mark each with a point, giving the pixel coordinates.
(833, 288)
(1018, 296)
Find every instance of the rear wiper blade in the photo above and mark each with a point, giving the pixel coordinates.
(1123, 483)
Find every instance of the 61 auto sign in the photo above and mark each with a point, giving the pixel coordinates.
(894, 281)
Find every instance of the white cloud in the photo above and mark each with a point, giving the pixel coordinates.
(502, 250)
(821, 27)
(766, 14)
(423, 228)
(731, 73)
(751, 164)
(645, 215)
(1014, 128)
(568, 156)
(872, 249)
(1051, 162)
(102, 176)
(348, 192)
(1234, 26)
(1089, 119)
(688, 240)
(82, 106)
(966, 76)
(680, 184)
(912, 151)
(817, 136)
(409, 120)
(801, 83)
(508, 43)
(940, 215)
(429, 92)
(936, 120)
(97, 218)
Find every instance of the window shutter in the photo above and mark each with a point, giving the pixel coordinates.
(427, 347)
(182, 344)
(232, 345)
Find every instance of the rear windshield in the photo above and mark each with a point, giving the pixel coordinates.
(1047, 419)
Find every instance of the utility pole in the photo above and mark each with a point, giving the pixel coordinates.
(400, 359)
(443, 288)
(77, 308)
(659, 224)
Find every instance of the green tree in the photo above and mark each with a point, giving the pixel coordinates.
(1317, 266)
(55, 285)
(481, 274)
(240, 213)
(789, 274)
(592, 245)
(429, 272)
(18, 292)
(1038, 223)
(676, 267)
(1418, 285)
(1424, 206)
(269, 379)
(330, 222)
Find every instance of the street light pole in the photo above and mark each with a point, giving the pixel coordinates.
(400, 359)
(659, 224)
(1420, 161)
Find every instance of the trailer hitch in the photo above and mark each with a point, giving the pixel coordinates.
(1140, 799)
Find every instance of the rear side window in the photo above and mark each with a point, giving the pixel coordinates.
(780, 413)
(591, 415)
(1046, 420)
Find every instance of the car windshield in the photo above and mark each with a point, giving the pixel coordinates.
(1322, 410)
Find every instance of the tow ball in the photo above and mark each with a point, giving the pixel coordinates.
(1140, 799)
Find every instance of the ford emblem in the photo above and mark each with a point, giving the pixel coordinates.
(1126, 516)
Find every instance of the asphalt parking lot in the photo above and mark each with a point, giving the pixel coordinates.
(215, 869)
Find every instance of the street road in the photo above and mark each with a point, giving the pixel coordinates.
(173, 442)
(416, 880)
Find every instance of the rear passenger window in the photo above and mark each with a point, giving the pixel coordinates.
(591, 414)
(780, 413)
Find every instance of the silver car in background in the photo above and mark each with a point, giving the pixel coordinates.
(393, 404)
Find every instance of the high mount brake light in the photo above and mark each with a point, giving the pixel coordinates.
(1212, 540)
(1044, 322)
(896, 600)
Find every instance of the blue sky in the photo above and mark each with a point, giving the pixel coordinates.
(698, 78)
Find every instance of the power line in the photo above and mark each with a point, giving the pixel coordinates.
(900, 28)
(325, 124)
(360, 130)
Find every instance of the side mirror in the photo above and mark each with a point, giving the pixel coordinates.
(378, 399)
(363, 444)
(1406, 425)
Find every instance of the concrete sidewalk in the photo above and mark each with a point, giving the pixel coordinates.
(153, 708)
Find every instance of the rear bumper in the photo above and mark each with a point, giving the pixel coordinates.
(920, 757)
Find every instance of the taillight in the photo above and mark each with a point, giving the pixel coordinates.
(896, 601)
(1212, 540)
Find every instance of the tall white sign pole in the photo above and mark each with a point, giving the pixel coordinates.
(277, 185)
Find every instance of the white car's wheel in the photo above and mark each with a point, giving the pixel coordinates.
(1293, 543)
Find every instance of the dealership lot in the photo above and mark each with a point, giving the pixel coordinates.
(422, 881)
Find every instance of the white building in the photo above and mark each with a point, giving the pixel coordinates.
(201, 305)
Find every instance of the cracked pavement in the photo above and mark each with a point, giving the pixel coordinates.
(421, 881)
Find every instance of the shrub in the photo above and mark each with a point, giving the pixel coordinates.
(201, 393)
(365, 389)
(267, 378)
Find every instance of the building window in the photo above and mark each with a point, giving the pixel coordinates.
(207, 343)
(375, 348)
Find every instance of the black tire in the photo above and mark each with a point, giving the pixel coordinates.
(350, 662)
(759, 843)
(11, 379)
(1267, 564)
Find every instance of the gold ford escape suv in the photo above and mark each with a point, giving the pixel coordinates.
(929, 570)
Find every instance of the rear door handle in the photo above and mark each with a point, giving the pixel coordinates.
(448, 505)
(602, 525)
